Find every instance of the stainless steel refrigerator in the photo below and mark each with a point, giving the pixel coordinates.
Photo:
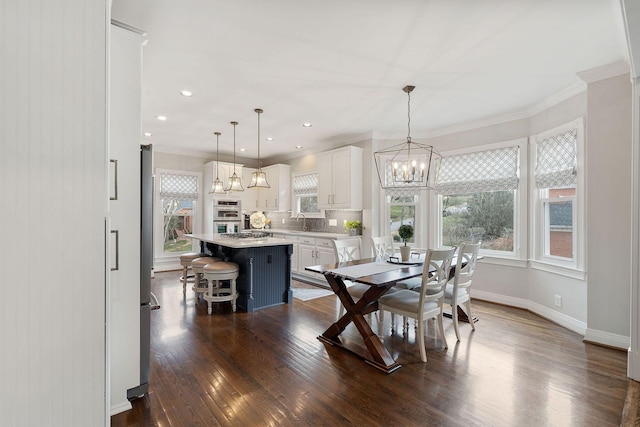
(147, 300)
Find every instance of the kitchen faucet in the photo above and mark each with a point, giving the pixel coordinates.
(304, 221)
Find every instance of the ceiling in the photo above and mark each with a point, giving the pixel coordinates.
(341, 66)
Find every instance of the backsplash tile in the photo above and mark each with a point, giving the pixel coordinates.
(314, 224)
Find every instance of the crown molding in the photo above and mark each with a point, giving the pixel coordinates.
(604, 72)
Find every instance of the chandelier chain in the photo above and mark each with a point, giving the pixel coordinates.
(409, 116)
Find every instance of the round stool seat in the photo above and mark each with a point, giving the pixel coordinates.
(197, 264)
(215, 273)
(185, 262)
(186, 258)
(200, 285)
(222, 267)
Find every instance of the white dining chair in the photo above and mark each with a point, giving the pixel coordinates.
(425, 304)
(382, 246)
(458, 290)
(350, 250)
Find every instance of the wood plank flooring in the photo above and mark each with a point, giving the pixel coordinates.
(268, 368)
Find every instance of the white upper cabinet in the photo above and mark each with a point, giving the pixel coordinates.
(340, 179)
(278, 197)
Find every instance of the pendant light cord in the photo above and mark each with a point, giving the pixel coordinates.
(409, 116)
(217, 155)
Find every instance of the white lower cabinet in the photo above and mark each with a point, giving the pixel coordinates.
(314, 251)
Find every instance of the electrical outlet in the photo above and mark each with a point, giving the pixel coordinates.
(283, 221)
(333, 223)
(558, 301)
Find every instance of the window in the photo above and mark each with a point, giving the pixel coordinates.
(178, 196)
(556, 193)
(478, 199)
(305, 193)
(402, 210)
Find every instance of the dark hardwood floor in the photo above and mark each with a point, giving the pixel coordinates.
(268, 368)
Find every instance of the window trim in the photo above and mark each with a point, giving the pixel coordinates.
(158, 216)
(538, 259)
(519, 203)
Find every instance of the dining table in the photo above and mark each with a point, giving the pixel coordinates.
(380, 275)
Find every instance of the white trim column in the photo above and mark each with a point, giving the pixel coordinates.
(631, 17)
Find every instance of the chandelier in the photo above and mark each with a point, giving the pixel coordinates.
(258, 178)
(410, 164)
(217, 186)
(235, 182)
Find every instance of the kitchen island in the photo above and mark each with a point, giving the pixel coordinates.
(264, 278)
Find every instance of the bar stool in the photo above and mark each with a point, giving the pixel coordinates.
(200, 284)
(185, 262)
(216, 272)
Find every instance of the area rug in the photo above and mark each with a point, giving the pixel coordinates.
(305, 294)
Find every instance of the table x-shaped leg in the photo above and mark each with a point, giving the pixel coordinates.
(378, 355)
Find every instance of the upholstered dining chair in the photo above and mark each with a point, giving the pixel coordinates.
(425, 304)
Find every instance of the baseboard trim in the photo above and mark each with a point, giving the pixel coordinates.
(120, 407)
(607, 338)
(542, 311)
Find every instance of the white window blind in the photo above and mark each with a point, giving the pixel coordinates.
(556, 161)
(490, 170)
(178, 187)
(304, 185)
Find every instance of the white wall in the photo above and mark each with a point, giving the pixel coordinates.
(609, 207)
(53, 208)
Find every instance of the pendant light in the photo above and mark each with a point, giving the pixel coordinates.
(258, 178)
(234, 183)
(216, 186)
(410, 164)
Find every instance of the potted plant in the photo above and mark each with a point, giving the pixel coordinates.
(353, 227)
(405, 232)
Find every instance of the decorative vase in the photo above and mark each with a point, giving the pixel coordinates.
(405, 251)
(354, 232)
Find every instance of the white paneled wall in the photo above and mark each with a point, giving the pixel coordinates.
(52, 212)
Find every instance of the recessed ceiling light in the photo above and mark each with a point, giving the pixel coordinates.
(269, 139)
(161, 118)
(243, 149)
(307, 125)
(298, 146)
(147, 134)
(186, 93)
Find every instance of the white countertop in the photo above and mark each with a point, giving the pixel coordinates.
(295, 233)
(240, 243)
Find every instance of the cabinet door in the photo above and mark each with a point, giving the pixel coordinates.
(325, 256)
(325, 180)
(324, 251)
(274, 191)
(306, 258)
(249, 196)
(341, 197)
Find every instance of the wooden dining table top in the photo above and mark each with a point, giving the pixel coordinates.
(402, 272)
